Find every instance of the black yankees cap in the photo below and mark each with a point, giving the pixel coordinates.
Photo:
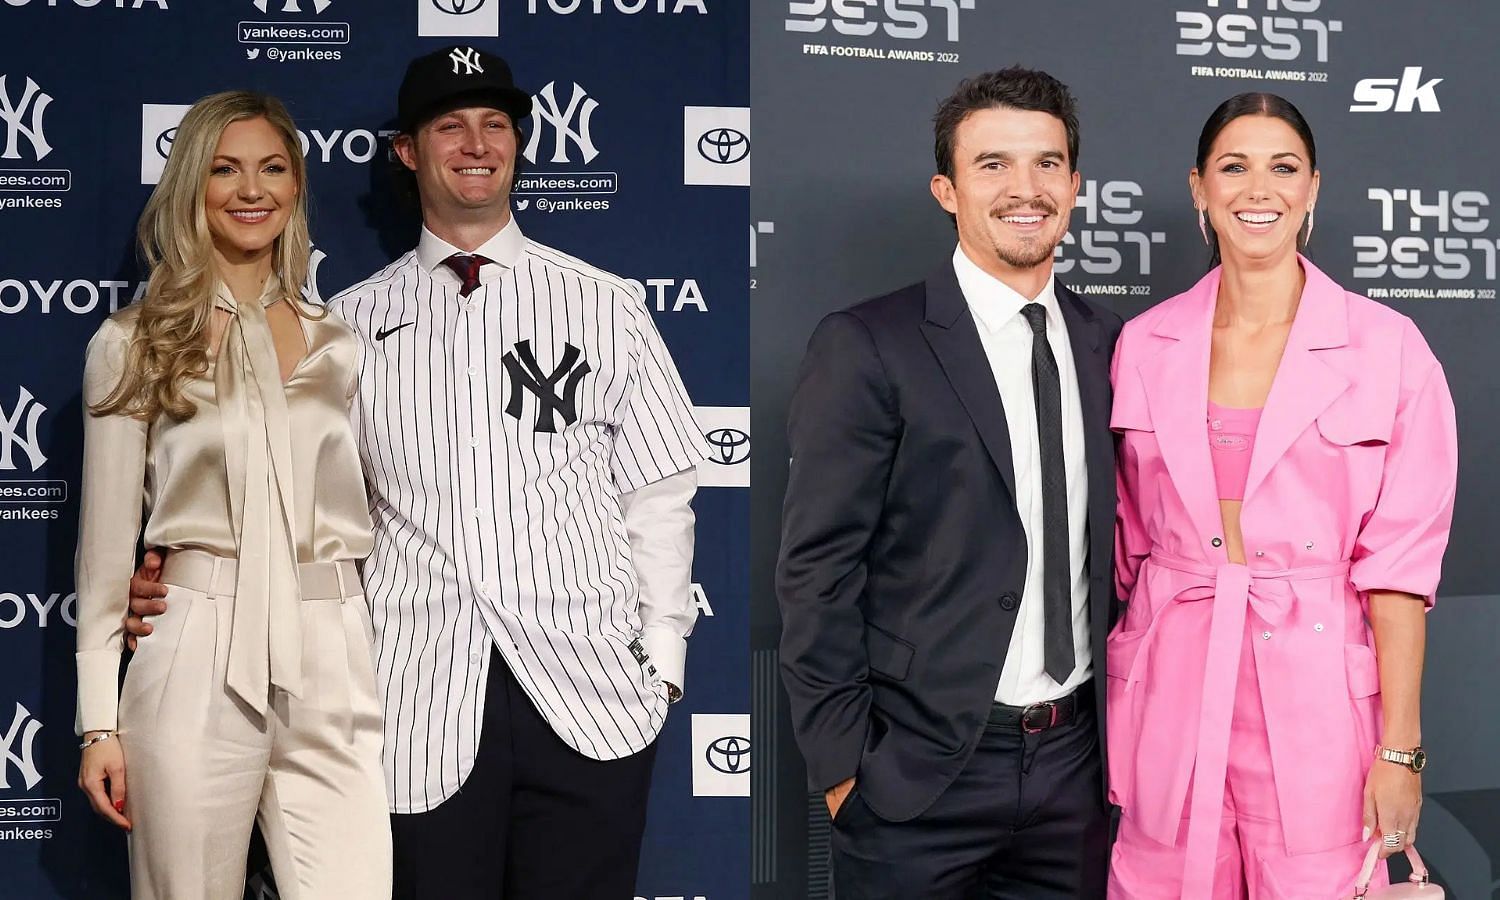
(452, 77)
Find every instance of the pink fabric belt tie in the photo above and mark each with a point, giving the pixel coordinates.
(1234, 588)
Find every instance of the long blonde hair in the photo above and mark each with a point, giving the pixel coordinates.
(170, 344)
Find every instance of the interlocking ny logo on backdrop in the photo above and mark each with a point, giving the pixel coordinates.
(569, 125)
(526, 373)
(17, 747)
(18, 430)
(24, 119)
(294, 6)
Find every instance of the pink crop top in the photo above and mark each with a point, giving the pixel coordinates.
(1231, 437)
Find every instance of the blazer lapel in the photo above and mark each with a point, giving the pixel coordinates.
(1175, 381)
(1304, 385)
(950, 330)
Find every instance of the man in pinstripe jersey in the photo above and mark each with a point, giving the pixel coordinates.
(530, 454)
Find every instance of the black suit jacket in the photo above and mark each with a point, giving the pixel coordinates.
(902, 555)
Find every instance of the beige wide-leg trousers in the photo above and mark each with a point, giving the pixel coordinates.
(201, 766)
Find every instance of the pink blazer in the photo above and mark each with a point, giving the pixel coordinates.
(1351, 487)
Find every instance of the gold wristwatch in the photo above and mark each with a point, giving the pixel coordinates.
(1414, 759)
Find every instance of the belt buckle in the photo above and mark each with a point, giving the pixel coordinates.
(1048, 705)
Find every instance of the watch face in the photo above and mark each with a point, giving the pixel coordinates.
(1418, 760)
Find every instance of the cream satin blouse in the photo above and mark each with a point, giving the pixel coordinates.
(193, 482)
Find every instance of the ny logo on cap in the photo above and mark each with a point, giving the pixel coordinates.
(467, 57)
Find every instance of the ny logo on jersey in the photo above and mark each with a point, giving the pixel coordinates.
(580, 109)
(17, 746)
(16, 127)
(11, 436)
(524, 372)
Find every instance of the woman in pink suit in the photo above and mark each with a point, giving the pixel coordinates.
(1287, 464)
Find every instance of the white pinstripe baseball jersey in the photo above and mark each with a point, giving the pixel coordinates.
(498, 432)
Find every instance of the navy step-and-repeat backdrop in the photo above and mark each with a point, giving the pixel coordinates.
(1400, 95)
(637, 161)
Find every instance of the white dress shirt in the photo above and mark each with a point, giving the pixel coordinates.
(568, 550)
(1007, 337)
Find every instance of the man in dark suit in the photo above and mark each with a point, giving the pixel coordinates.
(945, 573)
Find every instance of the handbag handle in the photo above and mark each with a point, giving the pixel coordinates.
(1419, 873)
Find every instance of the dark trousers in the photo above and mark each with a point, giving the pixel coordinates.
(1024, 820)
(534, 819)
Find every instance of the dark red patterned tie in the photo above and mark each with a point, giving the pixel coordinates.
(467, 268)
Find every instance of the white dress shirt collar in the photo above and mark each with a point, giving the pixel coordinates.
(994, 302)
(504, 247)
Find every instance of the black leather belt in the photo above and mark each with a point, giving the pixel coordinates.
(1039, 717)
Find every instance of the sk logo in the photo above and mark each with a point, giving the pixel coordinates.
(525, 372)
(23, 729)
(33, 97)
(468, 58)
(10, 425)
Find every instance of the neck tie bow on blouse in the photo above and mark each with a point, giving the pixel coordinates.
(265, 646)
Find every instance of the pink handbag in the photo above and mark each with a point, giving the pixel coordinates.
(1418, 887)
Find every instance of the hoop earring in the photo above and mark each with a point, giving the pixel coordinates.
(1203, 226)
(1311, 211)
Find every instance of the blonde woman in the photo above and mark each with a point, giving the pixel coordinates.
(218, 420)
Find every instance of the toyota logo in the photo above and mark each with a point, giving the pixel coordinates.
(724, 146)
(164, 141)
(730, 755)
(731, 446)
(458, 7)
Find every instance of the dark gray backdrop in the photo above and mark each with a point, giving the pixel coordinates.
(844, 91)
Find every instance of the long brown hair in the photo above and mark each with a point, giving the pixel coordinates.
(170, 344)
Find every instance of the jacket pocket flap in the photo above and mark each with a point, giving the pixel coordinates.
(1120, 652)
(1364, 674)
(1130, 412)
(1349, 424)
(889, 655)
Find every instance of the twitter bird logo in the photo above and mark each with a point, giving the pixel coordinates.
(522, 205)
(252, 52)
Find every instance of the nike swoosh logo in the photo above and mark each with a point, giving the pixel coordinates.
(384, 333)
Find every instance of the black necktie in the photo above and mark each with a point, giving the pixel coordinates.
(1057, 595)
(467, 268)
